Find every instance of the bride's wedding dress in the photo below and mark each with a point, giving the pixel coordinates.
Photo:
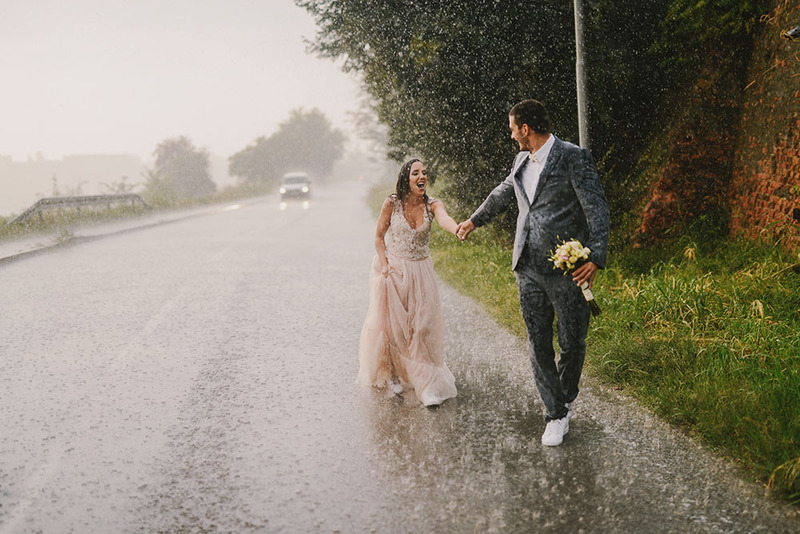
(403, 334)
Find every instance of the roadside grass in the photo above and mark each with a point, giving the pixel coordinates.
(480, 269)
(710, 341)
(61, 220)
(708, 337)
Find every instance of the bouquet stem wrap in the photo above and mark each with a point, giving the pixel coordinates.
(587, 294)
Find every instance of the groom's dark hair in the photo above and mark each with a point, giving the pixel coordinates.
(533, 113)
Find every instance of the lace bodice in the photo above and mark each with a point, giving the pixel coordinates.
(406, 242)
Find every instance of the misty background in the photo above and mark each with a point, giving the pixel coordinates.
(91, 87)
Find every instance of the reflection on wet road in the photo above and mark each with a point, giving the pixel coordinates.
(199, 377)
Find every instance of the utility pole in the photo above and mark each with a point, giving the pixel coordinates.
(580, 77)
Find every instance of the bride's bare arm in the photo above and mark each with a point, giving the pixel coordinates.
(384, 220)
(442, 217)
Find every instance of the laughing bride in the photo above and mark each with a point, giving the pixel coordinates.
(402, 340)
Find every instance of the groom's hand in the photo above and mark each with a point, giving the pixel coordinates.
(463, 229)
(585, 273)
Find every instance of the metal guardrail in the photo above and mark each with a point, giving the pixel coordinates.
(52, 203)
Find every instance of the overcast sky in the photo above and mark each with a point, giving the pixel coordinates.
(119, 76)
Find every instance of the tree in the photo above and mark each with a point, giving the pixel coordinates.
(367, 127)
(181, 171)
(158, 190)
(445, 73)
(304, 142)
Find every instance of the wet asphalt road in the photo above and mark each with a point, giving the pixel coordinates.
(198, 376)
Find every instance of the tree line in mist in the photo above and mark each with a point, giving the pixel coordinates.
(306, 141)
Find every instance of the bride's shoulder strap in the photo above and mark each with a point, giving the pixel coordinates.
(429, 206)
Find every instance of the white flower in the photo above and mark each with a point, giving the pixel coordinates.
(568, 254)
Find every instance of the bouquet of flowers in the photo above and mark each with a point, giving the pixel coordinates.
(569, 255)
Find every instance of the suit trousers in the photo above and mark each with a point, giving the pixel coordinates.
(542, 298)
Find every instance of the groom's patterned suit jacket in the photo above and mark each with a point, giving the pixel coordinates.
(568, 204)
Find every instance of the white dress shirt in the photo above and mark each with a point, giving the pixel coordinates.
(532, 171)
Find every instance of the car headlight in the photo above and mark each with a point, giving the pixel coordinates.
(283, 190)
(305, 189)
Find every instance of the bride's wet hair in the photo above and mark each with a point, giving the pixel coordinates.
(402, 189)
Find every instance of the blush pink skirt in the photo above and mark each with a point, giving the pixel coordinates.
(403, 334)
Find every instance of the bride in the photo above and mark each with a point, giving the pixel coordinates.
(402, 340)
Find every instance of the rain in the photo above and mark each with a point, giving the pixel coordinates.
(187, 361)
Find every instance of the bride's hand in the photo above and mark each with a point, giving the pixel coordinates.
(464, 229)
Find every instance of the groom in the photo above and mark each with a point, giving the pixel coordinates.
(560, 198)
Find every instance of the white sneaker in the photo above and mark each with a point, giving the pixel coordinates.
(554, 432)
(571, 410)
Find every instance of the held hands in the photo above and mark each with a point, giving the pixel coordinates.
(464, 229)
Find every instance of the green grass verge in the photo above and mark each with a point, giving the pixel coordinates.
(707, 338)
(61, 220)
